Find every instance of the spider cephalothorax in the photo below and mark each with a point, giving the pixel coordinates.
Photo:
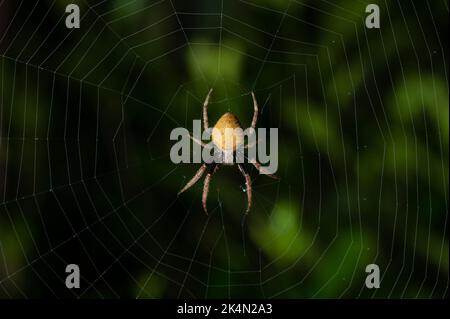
(227, 148)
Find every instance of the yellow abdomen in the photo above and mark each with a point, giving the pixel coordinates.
(227, 134)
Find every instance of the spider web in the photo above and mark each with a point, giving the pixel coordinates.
(84, 150)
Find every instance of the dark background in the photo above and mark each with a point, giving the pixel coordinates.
(86, 178)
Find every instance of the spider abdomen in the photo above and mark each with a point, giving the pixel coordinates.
(227, 134)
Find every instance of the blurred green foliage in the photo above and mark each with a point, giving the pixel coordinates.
(85, 174)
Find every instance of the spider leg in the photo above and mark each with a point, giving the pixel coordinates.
(255, 111)
(262, 170)
(254, 120)
(250, 145)
(194, 179)
(211, 172)
(248, 186)
(199, 142)
(205, 110)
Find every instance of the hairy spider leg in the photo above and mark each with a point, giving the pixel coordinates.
(194, 179)
(262, 170)
(206, 182)
(248, 187)
(255, 111)
(254, 120)
(205, 110)
(258, 166)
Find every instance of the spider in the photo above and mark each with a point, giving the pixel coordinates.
(227, 151)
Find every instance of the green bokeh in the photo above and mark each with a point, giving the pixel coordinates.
(86, 178)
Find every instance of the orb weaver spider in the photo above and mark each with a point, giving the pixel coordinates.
(227, 151)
